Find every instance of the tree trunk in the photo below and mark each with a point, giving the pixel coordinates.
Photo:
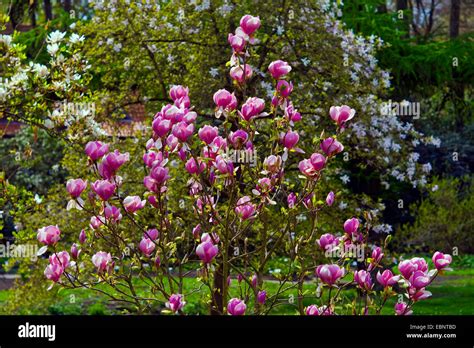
(67, 5)
(48, 10)
(32, 13)
(454, 18)
(217, 304)
(16, 12)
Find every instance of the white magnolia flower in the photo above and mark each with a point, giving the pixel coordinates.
(6, 39)
(40, 70)
(52, 49)
(75, 38)
(55, 37)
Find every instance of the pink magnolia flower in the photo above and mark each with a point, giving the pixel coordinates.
(308, 201)
(133, 203)
(341, 114)
(172, 113)
(159, 174)
(329, 274)
(418, 294)
(238, 138)
(237, 73)
(327, 241)
(419, 280)
(290, 139)
(272, 163)
(291, 114)
(153, 201)
(284, 88)
(420, 264)
(387, 278)
(104, 189)
(151, 234)
(279, 69)
(222, 98)
(206, 251)
(112, 213)
(330, 198)
(161, 126)
(214, 238)
(208, 134)
(75, 251)
(262, 297)
(53, 272)
(351, 225)
(147, 246)
(254, 280)
(244, 209)
(236, 42)
(377, 254)
(291, 200)
(264, 186)
(233, 103)
(178, 91)
(249, 24)
(331, 146)
(96, 149)
(318, 161)
(363, 279)
(183, 131)
(314, 310)
(224, 166)
(441, 261)
(311, 167)
(49, 235)
(175, 302)
(114, 160)
(307, 168)
(82, 237)
(152, 158)
(183, 102)
(197, 231)
(96, 222)
(401, 308)
(252, 107)
(75, 187)
(408, 267)
(194, 168)
(102, 261)
(190, 117)
(61, 258)
(236, 307)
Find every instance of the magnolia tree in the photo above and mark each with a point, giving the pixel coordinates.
(241, 171)
(149, 45)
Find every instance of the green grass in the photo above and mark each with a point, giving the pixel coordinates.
(452, 295)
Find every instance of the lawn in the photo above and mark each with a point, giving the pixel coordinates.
(452, 295)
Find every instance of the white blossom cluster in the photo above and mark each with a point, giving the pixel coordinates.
(25, 84)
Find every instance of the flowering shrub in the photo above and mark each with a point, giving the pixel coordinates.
(153, 44)
(240, 172)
